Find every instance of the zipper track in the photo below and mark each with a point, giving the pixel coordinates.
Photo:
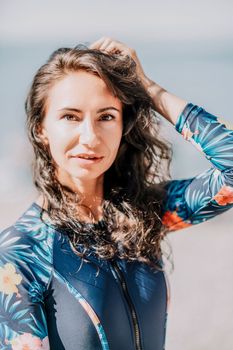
(131, 307)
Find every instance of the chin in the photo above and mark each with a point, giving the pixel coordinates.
(86, 174)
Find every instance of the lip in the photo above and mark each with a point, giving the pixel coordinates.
(83, 154)
(83, 161)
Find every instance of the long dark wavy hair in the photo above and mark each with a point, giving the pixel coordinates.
(133, 193)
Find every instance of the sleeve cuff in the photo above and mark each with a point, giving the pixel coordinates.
(187, 111)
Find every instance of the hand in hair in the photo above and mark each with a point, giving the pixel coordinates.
(165, 103)
(109, 45)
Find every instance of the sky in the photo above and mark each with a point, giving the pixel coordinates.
(45, 20)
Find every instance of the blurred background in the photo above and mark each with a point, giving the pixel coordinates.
(185, 46)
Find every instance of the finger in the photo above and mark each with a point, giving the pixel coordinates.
(98, 43)
(113, 48)
(105, 44)
(109, 45)
(118, 47)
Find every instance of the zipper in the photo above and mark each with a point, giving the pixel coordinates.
(131, 307)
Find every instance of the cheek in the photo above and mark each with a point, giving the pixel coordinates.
(57, 141)
(114, 139)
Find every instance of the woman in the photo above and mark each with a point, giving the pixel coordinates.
(82, 268)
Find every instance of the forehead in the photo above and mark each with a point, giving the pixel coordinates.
(81, 89)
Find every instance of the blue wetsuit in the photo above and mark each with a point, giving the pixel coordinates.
(49, 301)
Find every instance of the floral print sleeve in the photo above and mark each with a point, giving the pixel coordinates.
(25, 269)
(195, 200)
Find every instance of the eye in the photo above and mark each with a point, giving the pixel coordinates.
(70, 117)
(107, 117)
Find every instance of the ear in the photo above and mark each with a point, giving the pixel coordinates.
(42, 134)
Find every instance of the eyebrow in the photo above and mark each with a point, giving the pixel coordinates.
(79, 110)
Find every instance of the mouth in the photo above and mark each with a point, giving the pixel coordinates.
(88, 156)
(87, 159)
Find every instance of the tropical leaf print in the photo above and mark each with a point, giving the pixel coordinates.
(25, 270)
(10, 251)
(192, 201)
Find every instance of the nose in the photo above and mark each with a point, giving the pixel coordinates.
(87, 133)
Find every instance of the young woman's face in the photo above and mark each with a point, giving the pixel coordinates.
(82, 120)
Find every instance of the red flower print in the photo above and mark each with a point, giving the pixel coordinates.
(224, 196)
(174, 221)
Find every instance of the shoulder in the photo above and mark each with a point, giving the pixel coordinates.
(26, 248)
(30, 231)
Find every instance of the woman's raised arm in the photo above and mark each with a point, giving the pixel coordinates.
(195, 200)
